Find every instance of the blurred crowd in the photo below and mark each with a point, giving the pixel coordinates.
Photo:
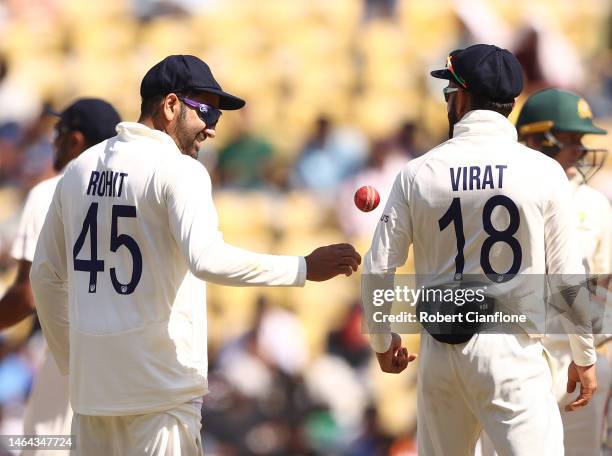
(338, 97)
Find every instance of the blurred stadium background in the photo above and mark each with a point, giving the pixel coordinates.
(339, 96)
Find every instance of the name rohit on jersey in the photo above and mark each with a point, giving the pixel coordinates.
(477, 177)
(106, 183)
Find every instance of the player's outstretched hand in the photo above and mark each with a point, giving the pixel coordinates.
(585, 375)
(329, 261)
(396, 359)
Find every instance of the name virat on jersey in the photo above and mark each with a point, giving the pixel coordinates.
(106, 183)
(477, 177)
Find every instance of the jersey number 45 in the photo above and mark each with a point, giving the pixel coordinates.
(94, 265)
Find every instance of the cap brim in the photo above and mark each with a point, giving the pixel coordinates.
(585, 129)
(227, 101)
(441, 74)
(598, 131)
(51, 112)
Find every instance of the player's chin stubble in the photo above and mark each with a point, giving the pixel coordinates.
(187, 141)
(192, 141)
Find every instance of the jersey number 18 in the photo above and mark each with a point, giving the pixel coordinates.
(453, 214)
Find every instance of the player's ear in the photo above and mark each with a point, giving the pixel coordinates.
(76, 140)
(171, 107)
(75, 144)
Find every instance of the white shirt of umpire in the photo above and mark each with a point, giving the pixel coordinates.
(48, 409)
(131, 328)
(425, 188)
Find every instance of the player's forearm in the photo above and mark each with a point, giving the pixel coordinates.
(16, 305)
(567, 278)
(372, 281)
(572, 298)
(228, 265)
(582, 347)
(389, 250)
(582, 342)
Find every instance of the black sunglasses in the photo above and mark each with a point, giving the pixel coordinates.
(209, 114)
(448, 90)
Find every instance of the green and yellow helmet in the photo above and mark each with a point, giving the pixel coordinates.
(552, 110)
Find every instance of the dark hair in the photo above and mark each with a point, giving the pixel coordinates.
(481, 102)
(149, 106)
(90, 142)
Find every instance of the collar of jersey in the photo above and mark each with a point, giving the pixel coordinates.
(483, 122)
(134, 130)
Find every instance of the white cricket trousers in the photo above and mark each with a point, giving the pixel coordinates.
(48, 410)
(499, 382)
(583, 429)
(174, 432)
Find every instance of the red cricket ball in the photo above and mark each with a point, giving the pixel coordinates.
(367, 198)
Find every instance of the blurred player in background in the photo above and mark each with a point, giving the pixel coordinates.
(130, 237)
(81, 125)
(471, 206)
(554, 122)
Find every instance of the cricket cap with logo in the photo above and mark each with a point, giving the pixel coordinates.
(556, 110)
(180, 73)
(485, 70)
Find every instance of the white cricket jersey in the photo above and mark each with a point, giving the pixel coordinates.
(506, 203)
(32, 219)
(131, 228)
(593, 218)
(48, 409)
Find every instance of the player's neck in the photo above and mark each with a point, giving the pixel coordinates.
(148, 121)
(154, 124)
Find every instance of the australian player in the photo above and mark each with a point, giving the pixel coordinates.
(482, 203)
(554, 122)
(119, 270)
(81, 125)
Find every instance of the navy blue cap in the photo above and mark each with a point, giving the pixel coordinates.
(179, 73)
(93, 117)
(485, 70)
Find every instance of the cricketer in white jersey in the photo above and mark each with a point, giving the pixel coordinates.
(83, 123)
(481, 202)
(594, 226)
(554, 121)
(48, 410)
(583, 429)
(118, 275)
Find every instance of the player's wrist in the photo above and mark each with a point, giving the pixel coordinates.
(308, 261)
